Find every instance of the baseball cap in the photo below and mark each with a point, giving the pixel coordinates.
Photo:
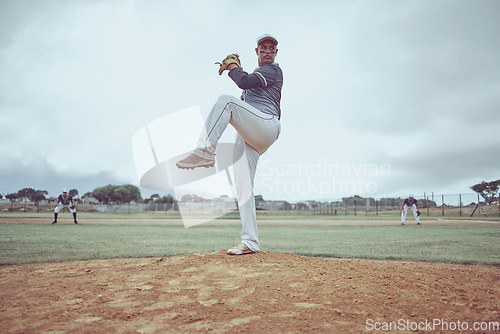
(266, 37)
(65, 190)
(411, 196)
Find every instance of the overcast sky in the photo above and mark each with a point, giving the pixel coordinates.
(380, 97)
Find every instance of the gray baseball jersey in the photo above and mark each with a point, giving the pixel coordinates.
(262, 88)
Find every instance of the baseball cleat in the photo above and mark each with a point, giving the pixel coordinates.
(54, 222)
(75, 222)
(194, 161)
(240, 250)
(402, 224)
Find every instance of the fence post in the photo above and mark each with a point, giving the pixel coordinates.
(425, 200)
(427, 205)
(442, 205)
(376, 206)
(460, 199)
(355, 207)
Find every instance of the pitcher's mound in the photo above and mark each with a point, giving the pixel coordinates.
(263, 292)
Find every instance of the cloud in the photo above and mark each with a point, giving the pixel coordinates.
(403, 83)
(40, 175)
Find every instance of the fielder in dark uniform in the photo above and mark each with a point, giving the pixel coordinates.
(65, 201)
(410, 203)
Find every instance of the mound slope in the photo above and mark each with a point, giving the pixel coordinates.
(263, 292)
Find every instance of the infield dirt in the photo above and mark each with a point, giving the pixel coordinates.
(263, 292)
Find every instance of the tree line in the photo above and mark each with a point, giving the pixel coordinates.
(116, 194)
(121, 194)
(488, 190)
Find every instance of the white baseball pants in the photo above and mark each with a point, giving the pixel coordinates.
(405, 211)
(257, 131)
(62, 206)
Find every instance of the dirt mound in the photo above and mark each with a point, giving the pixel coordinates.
(263, 292)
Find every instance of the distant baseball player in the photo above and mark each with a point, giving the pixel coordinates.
(65, 201)
(410, 203)
(256, 119)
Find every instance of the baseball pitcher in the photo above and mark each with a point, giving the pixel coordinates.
(255, 116)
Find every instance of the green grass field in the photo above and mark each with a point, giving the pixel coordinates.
(38, 243)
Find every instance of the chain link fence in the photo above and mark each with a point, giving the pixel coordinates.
(457, 205)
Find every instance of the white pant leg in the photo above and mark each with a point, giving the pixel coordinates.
(259, 130)
(256, 133)
(62, 206)
(414, 210)
(244, 175)
(403, 214)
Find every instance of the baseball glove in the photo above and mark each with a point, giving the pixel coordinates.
(230, 59)
(418, 213)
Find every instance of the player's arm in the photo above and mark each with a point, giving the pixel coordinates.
(244, 80)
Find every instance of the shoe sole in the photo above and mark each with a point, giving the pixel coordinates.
(235, 252)
(232, 253)
(193, 167)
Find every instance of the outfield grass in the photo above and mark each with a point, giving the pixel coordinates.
(261, 215)
(35, 243)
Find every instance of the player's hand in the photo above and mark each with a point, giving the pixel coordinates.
(230, 59)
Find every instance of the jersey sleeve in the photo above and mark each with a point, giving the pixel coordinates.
(263, 76)
(244, 80)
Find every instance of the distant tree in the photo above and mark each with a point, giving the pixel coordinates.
(426, 203)
(26, 193)
(117, 194)
(38, 195)
(32, 194)
(155, 198)
(488, 190)
(11, 197)
(1, 196)
(129, 193)
(104, 194)
(151, 198)
(167, 199)
(73, 193)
